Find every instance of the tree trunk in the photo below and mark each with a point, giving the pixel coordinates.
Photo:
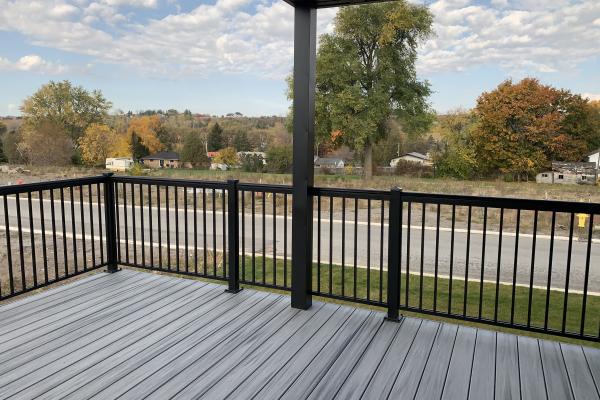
(368, 167)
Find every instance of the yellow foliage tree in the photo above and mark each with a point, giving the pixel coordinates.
(227, 156)
(121, 147)
(97, 144)
(147, 128)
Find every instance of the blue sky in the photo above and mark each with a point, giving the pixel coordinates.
(233, 55)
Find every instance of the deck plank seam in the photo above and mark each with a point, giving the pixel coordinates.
(543, 368)
(472, 363)
(437, 333)
(449, 362)
(562, 357)
(90, 323)
(596, 384)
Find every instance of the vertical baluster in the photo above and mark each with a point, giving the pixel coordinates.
(436, 262)
(467, 262)
(64, 230)
(550, 262)
(498, 265)
(150, 227)
(422, 255)
(515, 266)
(253, 238)
(126, 223)
(91, 213)
(54, 241)
(243, 194)
(214, 226)
(482, 261)
(176, 193)
(274, 238)
(285, 218)
(587, 274)
(32, 240)
(381, 239)
(43, 227)
(451, 280)
(330, 244)
(195, 231)
(205, 250)
(99, 204)
(318, 244)
(224, 225)
(355, 246)
(168, 212)
(532, 269)
(409, 218)
(368, 249)
(568, 277)
(82, 223)
(343, 245)
(264, 254)
(11, 280)
(133, 223)
(73, 229)
(185, 228)
(158, 220)
(142, 227)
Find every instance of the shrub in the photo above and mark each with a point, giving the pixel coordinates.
(252, 162)
(279, 159)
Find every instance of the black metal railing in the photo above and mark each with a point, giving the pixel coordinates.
(52, 231)
(525, 264)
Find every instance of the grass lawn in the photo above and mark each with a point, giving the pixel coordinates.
(274, 275)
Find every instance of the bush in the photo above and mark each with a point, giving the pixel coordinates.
(137, 170)
(194, 152)
(412, 168)
(279, 159)
(252, 162)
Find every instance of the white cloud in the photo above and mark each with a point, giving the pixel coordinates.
(32, 63)
(243, 36)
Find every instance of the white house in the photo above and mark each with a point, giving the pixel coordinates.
(411, 157)
(327, 162)
(594, 157)
(119, 163)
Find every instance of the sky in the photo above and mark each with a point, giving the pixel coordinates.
(226, 56)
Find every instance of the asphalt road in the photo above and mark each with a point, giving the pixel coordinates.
(342, 248)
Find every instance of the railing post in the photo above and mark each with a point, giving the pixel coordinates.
(110, 223)
(394, 254)
(233, 234)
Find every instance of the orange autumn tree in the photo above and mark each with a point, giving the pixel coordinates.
(148, 129)
(524, 126)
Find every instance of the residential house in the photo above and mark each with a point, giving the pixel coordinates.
(328, 162)
(119, 163)
(584, 173)
(594, 157)
(412, 157)
(162, 159)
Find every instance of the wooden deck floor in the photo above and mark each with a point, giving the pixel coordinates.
(136, 335)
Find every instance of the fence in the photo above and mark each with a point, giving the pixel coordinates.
(523, 264)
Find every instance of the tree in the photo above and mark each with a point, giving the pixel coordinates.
(10, 143)
(525, 125)
(71, 107)
(279, 159)
(3, 128)
(97, 144)
(137, 148)
(46, 144)
(457, 156)
(227, 156)
(216, 141)
(194, 151)
(241, 142)
(252, 162)
(366, 74)
(147, 129)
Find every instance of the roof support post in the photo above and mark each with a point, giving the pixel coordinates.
(305, 49)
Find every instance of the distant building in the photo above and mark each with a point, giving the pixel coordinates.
(583, 173)
(411, 157)
(119, 163)
(162, 159)
(327, 162)
(594, 157)
(211, 154)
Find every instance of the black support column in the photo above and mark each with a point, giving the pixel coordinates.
(305, 48)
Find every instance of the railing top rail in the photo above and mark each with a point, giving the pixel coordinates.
(503, 202)
(261, 187)
(188, 183)
(63, 183)
(352, 193)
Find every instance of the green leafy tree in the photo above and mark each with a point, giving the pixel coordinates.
(252, 162)
(457, 156)
(279, 159)
(366, 74)
(216, 140)
(3, 128)
(10, 147)
(194, 151)
(241, 141)
(62, 103)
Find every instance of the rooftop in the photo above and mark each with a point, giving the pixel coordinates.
(134, 334)
(162, 155)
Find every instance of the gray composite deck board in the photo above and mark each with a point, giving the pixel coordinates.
(136, 335)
